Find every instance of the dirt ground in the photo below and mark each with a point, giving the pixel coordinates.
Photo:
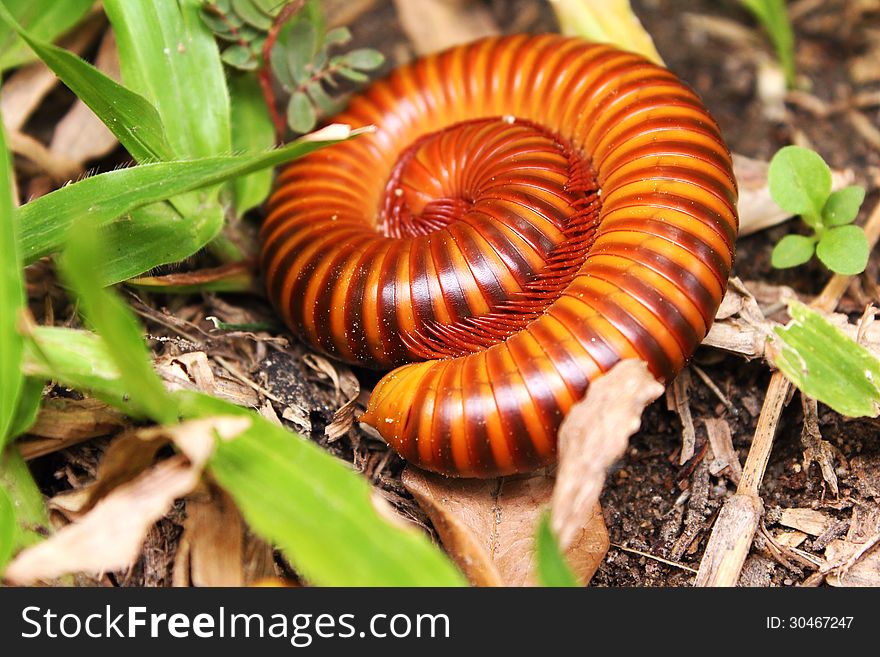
(651, 504)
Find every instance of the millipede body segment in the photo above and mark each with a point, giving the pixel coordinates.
(529, 211)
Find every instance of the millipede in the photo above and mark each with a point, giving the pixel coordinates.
(529, 211)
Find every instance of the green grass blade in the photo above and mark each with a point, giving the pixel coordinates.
(28, 511)
(252, 132)
(828, 365)
(774, 17)
(316, 509)
(291, 492)
(12, 300)
(115, 323)
(169, 55)
(129, 116)
(44, 19)
(45, 222)
(139, 241)
(552, 568)
(80, 360)
(28, 406)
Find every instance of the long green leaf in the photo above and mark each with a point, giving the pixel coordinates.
(44, 19)
(828, 365)
(315, 508)
(774, 17)
(552, 567)
(252, 132)
(28, 406)
(111, 318)
(46, 221)
(12, 300)
(18, 491)
(78, 359)
(129, 116)
(139, 241)
(169, 55)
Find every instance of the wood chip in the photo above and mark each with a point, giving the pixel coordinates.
(488, 525)
(730, 541)
(721, 442)
(809, 521)
(63, 422)
(790, 539)
(678, 400)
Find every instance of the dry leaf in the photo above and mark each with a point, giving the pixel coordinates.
(211, 548)
(111, 534)
(856, 560)
(347, 388)
(678, 400)
(593, 436)
(434, 25)
(488, 525)
(192, 371)
(63, 422)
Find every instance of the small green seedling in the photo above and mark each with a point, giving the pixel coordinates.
(800, 183)
(774, 19)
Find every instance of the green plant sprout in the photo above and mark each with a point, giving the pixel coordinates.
(800, 183)
(292, 37)
(774, 19)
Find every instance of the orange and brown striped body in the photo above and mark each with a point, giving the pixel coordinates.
(529, 211)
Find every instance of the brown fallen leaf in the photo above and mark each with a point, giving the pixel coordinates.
(434, 25)
(110, 535)
(192, 371)
(593, 436)
(678, 400)
(211, 547)
(233, 276)
(855, 560)
(488, 525)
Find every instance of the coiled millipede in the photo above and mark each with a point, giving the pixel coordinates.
(529, 211)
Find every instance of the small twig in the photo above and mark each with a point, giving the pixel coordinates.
(817, 450)
(715, 390)
(238, 374)
(265, 74)
(647, 555)
(740, 516)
